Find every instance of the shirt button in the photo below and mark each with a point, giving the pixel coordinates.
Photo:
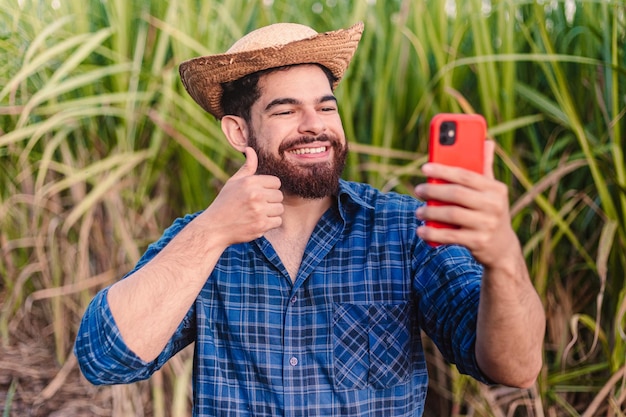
(293, 361)
(294, 299)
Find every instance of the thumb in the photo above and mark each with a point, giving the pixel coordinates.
(489, 155)
(250, 166)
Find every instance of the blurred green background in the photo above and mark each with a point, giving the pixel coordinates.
(101, 148)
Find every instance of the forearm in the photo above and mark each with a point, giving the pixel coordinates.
(511, 326)
(102, 355)
(149, 304)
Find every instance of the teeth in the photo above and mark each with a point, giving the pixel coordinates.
(309, 150)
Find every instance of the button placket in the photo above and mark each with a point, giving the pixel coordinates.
(294, 364)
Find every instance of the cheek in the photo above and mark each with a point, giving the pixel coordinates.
(265, 138)
(336, 126)
(273, 136)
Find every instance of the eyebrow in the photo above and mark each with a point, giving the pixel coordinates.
(288, 100)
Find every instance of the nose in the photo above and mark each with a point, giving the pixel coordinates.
(312, 122)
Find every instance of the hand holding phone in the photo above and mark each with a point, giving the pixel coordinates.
(456, 140)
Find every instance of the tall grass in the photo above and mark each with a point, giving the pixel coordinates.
(100, 148)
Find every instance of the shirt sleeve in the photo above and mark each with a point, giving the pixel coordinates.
(103, 356)
(447, 283)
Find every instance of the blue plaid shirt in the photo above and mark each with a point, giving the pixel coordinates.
(344, 339)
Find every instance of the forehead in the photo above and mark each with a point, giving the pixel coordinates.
(300, 81)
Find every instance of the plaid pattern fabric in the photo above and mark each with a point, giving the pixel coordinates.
(344, 339)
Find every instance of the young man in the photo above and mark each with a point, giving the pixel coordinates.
(305, 294)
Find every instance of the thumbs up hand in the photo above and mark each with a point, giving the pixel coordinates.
(250, 166)
(248, 206)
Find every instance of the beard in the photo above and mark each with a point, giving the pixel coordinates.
(312, 181)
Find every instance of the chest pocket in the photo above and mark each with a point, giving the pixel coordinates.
(371, 345)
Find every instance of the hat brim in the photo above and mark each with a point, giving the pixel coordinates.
(203, 76)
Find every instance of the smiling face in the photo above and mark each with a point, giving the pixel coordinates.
(297, 133)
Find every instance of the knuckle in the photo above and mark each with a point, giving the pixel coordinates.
(502, 188)
(483, 240)
(453, 214)
(457, 193)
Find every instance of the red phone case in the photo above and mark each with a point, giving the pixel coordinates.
(466, 152)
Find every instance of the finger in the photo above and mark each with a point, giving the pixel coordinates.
(445, 236)
(490, 149)
(453, 215)
(250, 166)
(461, 195)
(275, 210)
(273, 194)
(451, 174)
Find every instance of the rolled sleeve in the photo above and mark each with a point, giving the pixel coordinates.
(448, 286)
(102, 354)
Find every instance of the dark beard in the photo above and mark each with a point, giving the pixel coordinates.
(312, 181)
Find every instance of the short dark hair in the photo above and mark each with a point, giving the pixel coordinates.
(238, 96)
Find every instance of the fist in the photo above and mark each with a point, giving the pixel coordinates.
(248, 206)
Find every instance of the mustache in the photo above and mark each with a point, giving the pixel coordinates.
(305, 140)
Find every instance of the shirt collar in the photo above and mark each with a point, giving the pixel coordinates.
(349, 196)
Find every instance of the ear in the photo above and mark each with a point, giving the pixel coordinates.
(236, 131)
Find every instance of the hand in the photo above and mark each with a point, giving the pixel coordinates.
(248, 206)
(479, 206)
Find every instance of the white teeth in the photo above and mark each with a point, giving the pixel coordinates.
(309, 150)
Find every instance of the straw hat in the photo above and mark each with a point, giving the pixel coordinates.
(268, 47)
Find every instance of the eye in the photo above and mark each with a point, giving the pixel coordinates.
(283, 112)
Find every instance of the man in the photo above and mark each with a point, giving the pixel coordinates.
(305, 294)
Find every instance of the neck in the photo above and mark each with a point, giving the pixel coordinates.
(299, 219)
(301, 215)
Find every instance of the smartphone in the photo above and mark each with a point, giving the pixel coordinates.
(457, 140)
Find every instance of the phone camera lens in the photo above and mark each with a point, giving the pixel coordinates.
(447, 133)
